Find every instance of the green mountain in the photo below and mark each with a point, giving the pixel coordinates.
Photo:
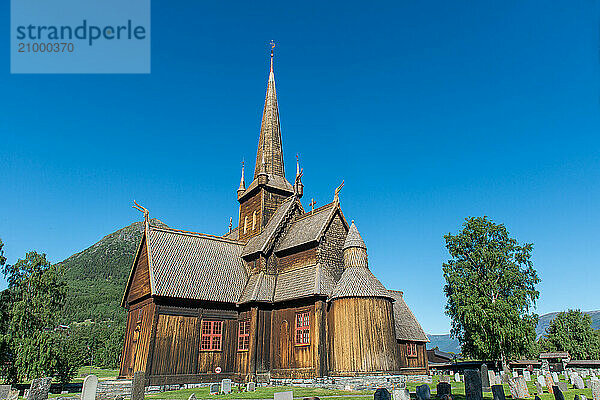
(96, 276)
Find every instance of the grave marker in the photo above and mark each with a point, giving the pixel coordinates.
(578, 382)
(596, 389)
(138, 385)
(485, 378)
(289, 395)
(13, 395)
(39, 389)
(473, 389)
(90, 386)
(423, 392)
(443, 389)
(527, 376)
(226, 386)
(250, 387)
(498, 392)
(213, 388)
(557, 393)
(401, 394)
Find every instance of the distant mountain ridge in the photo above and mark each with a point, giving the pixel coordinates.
(96, 276)
(449, 344)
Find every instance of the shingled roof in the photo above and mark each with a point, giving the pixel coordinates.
(262, 242)
(358, 282)
(407, 326)
(195, 266)
(307, 228)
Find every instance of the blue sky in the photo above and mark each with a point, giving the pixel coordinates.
(431, 112)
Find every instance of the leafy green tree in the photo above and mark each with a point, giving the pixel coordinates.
(36, 297)
(572, 331)
(490, 289)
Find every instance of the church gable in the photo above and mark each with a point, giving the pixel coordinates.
(138, 286)
(329, 252)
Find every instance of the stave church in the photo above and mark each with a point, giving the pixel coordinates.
(289, 293)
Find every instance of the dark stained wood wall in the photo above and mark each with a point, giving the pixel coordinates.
(297, 260)
(137, 338)
(361, 336)
(287, 358)
(413, 365)
(140, 284)
(247, 209)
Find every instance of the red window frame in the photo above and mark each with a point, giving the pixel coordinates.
(243, 335)
(303, 328)
(411, 349)
(211, 335)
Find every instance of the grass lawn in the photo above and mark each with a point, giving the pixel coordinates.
(99, 372)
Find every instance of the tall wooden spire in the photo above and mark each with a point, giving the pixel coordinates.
(269, 156)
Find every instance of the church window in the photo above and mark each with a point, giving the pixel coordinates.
(303, 328)
(245, 224)
(212, 332)
(254, 220)
(244, 335)
(411, 349)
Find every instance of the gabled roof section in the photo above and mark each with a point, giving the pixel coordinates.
(309, 227)
(359, 282)
(195, 266)
(407, 326)
(303, 282)
(260, 288)
(262, 243)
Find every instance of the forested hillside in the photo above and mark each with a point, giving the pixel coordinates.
(96, 276)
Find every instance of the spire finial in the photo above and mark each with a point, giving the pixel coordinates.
(242, 180)
(336, 196)
(143, 210)
(272, 43)
(230, 223)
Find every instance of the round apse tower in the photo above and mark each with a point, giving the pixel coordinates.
(361, 318)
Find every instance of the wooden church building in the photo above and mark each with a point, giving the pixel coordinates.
(287, 294)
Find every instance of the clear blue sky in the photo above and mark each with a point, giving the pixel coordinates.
(431, 112)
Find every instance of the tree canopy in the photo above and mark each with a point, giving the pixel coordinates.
(572, 331)
(490, 290)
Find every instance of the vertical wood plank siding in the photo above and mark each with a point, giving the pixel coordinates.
(137, 339)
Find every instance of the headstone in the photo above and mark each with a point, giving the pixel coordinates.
(557, 393)
(4, 391)
(583, 397)
(401, 394)
(527, 376)
(473, 389)
(498, 392)
(250, 387)
(192, 397)
(90, 386)
(596, 389)
(541, 380)
(13, 394)
(457, 377)
(381, 394)
(226, 386)
(566, 375)
(562, 386)
(518, 388)
(423, 392)
(138, 385)
(539, 388)
(443, 389)
(515, 374)
(555, 377)
(445, 378)
(289, 395)
(39, 389)
(578, 382)
(492, 377)
(213, 388)
(26, 393)
(485, 378)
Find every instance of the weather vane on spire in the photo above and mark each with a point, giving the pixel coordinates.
(272, 43)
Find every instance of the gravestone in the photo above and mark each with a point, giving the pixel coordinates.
(562, 386)
(192, 397)
(457, 377)
(492, 377)
(226, 386)
(445, 378)
(539, 388)
(90, 386)
(566, 375)
(39, 389)
(527, 376)
(250, 387)
(485, 378)
(555, 377)
(498, 392)
(26, 393)
(578, 382)
(138, 385)
(382, 394)
(473, 389)
(213, 388)
(518, 388)
(541, 380)
(423, 392)
(557, 393)
(4, 391)
(515, 374)
(443, 389)
(583, 397)
(289, 395)
(401, 394)
(13, 395)
(596, 389)
(549, 382)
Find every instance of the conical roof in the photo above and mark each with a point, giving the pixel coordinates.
(353, 239)
(359, 282)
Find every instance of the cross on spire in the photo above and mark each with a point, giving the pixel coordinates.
(312, 205)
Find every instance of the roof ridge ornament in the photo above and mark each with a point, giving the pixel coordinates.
(336, 196)
(298, 186)
(142, 210)
(272, 44)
